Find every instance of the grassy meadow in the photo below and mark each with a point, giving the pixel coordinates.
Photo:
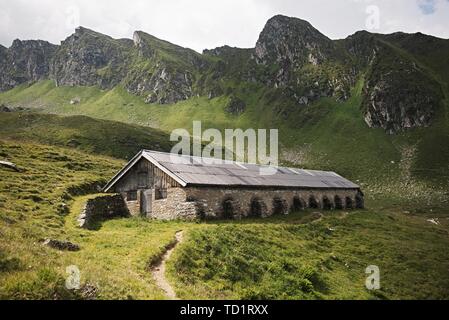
(67, 151)
(305, 255)
(328, 135)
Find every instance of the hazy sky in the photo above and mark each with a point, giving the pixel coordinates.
(200, 24)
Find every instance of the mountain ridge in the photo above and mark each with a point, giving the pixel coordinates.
(290, 56)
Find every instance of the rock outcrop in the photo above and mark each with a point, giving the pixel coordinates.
(291, 43)
(4, 108)
(235, 106)
(398, 93)
(295, 63)
(299, 57)
(25, 61)
(88, 58)
(162, 81)
(61, 245)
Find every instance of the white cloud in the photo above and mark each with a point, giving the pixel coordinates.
(200, 24)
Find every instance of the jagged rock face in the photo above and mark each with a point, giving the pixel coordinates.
(25, 61)
(362, 47)
(88, 58)
(299, 58)
(293, 61)
(32, 57)
(398, 94)
(400, 97)
(6, 82)
(292, 42)
(161, 82)
(164, 86)
(143, 47)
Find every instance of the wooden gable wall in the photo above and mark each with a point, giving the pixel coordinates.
(145, 175)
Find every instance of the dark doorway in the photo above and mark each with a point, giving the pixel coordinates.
(257, 208)
(338, 203)
(146, 197)
(279, 206)
(327, 204)
(313, 204)
(349, 203)
(228, 208)
(298, 204)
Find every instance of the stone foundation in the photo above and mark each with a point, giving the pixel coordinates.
(175, 206)
(239, 202)
(102, 208)
(235, 203)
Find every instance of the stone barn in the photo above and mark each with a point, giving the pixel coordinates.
(169, 186)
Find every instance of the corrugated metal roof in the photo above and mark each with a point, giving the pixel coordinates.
(199, 171)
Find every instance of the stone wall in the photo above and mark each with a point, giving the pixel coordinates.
(233, 203)
(133, 206)
(213, 202)
(175, 206)
(102, 208)
(240, 202)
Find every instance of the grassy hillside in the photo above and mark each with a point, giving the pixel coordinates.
(110, 138)
(305, 255)
(299, 257)
(326, 135)
(35, 205)
(66, 141)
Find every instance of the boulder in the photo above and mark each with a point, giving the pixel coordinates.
(61, 245)
(75, 101)
(4, 108)
(10, 165)
(235, 106)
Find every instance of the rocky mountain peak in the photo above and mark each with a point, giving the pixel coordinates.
(292, 41)
(84, 34)
(137, 39)
(16, 43)
(88, 58)
(24, 61)
(297, 57)
(81, 30)
(292, 57)
(142, 44)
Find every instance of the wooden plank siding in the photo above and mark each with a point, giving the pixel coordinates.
(145, 175)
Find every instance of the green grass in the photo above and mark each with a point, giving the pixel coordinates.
(325, 135)
(32, 206)
(291, 258)
(116, 257)
(405, 179)
(288, 257)
(95, 136)
(113, 260)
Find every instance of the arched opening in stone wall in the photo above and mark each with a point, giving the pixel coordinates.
(313, 203)
(298, 204)
(200, 210)
(359, 203)
(228, 208)
(327, 204)
(280, 206)
(257, 207)
(338, 203)
(349, 203)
